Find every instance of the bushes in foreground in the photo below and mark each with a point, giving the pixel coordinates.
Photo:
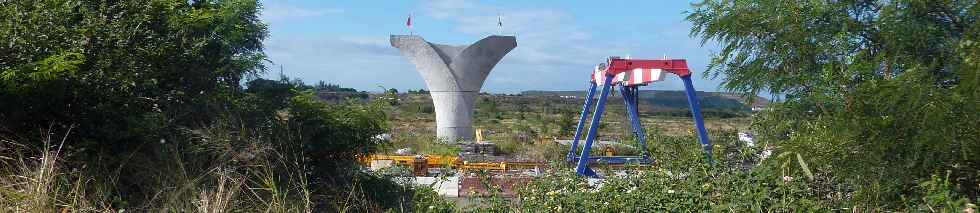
(878, 96)
(743, 179)
(140, 105)
(286, 165)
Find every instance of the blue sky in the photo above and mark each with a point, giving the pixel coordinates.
(559, 42)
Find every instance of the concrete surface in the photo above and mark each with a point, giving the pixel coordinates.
(454, 75)
(381, 164)
(448, 187)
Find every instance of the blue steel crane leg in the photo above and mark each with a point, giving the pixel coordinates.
(698, 120)
(583, 160)
(581, 122)
(632, 110)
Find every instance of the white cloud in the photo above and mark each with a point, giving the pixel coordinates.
(550, 43)
(555, 50)
(544, 35)
(360, 62)
(279, 12)
(443, 9)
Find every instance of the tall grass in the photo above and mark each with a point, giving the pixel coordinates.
(234, 174)
(37, 181)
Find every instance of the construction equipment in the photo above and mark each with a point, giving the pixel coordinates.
(421, 163)
(629, 74)
(431, 161)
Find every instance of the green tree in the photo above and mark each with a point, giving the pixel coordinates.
(880, 95)
(489, 105)
(152, 92)
(330, 135)
(108, 66)
(566, 122)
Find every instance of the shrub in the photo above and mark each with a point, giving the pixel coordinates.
(680, 181)
(879, 96)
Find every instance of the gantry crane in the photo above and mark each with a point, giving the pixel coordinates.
(629, 74)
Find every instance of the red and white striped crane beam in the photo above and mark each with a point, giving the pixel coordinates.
(639, 71)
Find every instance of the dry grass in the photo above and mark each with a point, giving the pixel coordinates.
(41, 181)
(529, 139)
(681, 126)
(221, 198)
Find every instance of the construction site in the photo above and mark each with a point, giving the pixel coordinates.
(458, 160)
(489, 106)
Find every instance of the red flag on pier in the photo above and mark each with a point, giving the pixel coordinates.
(409, 22)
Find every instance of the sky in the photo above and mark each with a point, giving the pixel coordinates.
(558, 42)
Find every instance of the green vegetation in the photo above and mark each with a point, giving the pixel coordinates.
(524, 126)
(140, 106)
(878, 113)
(157, 106)
(881, 97)
(682, 181)
(672, 100)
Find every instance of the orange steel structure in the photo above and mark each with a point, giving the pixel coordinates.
(438, 161)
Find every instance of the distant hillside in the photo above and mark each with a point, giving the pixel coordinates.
(672, 99)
